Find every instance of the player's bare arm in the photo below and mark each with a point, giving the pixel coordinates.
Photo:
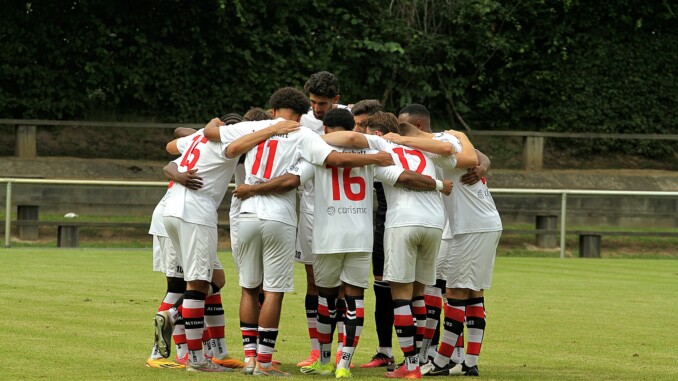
(467, 158)
(212, 130)
(346, 139)
(418, 181)
(421, 143)
(180, 132)
(354, 160)
(249, 141)
(189, 179)
(172, 147)
(280, 184)
(473, 175)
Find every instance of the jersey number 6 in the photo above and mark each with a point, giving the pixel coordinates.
(348, 181)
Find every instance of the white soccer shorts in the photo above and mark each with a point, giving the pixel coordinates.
(472, 260)
(410, 254)
(330, 270)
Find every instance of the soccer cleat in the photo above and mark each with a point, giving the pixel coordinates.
(163, 333)
(272, 370)
(426, 368)
(228, 362)
(342, 373)
(456, 369)
(250, 363)
(206, 366)
(313, 357)
(431, 369)
(318, 368)
(470, 370)
(163, 363)
(402, 372)
(380, 359)
(182, 361)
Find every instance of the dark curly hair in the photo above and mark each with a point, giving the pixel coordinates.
(339, 117)
(384, 122)
(290, 98)
(322, 84)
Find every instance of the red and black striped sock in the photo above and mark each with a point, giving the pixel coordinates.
(194, 322)
(453, 327)
(250, 333)
(475, 329)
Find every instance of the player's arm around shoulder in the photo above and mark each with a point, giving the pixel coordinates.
(277, 185)
(346, 139)
(418, 181)
(475, 174)
(467, 157)
(212, 129)
(249, 141)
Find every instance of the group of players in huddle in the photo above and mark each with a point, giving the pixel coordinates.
(433, 237)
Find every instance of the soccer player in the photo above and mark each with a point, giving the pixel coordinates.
(213, 333)
(323, 92)
(476, 228)
(164, 260)
(414, 223)
(266, 251)
(253, 114)
(383, 303)
(342, 248)
(190, 219)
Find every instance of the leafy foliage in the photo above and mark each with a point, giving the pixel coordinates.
(565, 65)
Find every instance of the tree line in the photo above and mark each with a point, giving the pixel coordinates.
(546, 65)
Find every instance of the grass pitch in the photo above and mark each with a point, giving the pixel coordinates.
(87, 314)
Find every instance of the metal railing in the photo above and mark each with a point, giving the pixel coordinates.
(562, 192)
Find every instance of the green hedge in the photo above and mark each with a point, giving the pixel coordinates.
(525, 65)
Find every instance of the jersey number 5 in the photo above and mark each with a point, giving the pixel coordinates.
(192, 155)
(348, 181)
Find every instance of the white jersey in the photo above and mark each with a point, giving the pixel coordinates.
(157, 223)
(344, 202)
(307, 192)
(309, 120)
(270, 159)
(409, 207)
(470, 208)
(234, 210)
(200, 206)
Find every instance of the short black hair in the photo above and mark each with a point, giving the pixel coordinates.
(256, 113)
(231, 118)
(366, 107)
(290, 98)
(382, 121)
(415, 109)
(339, 118)
(323, 84)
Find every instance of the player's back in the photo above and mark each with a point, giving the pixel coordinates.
(409, 207)
(270, 159)
(199, 206)
(343, 207)
(470, 208)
